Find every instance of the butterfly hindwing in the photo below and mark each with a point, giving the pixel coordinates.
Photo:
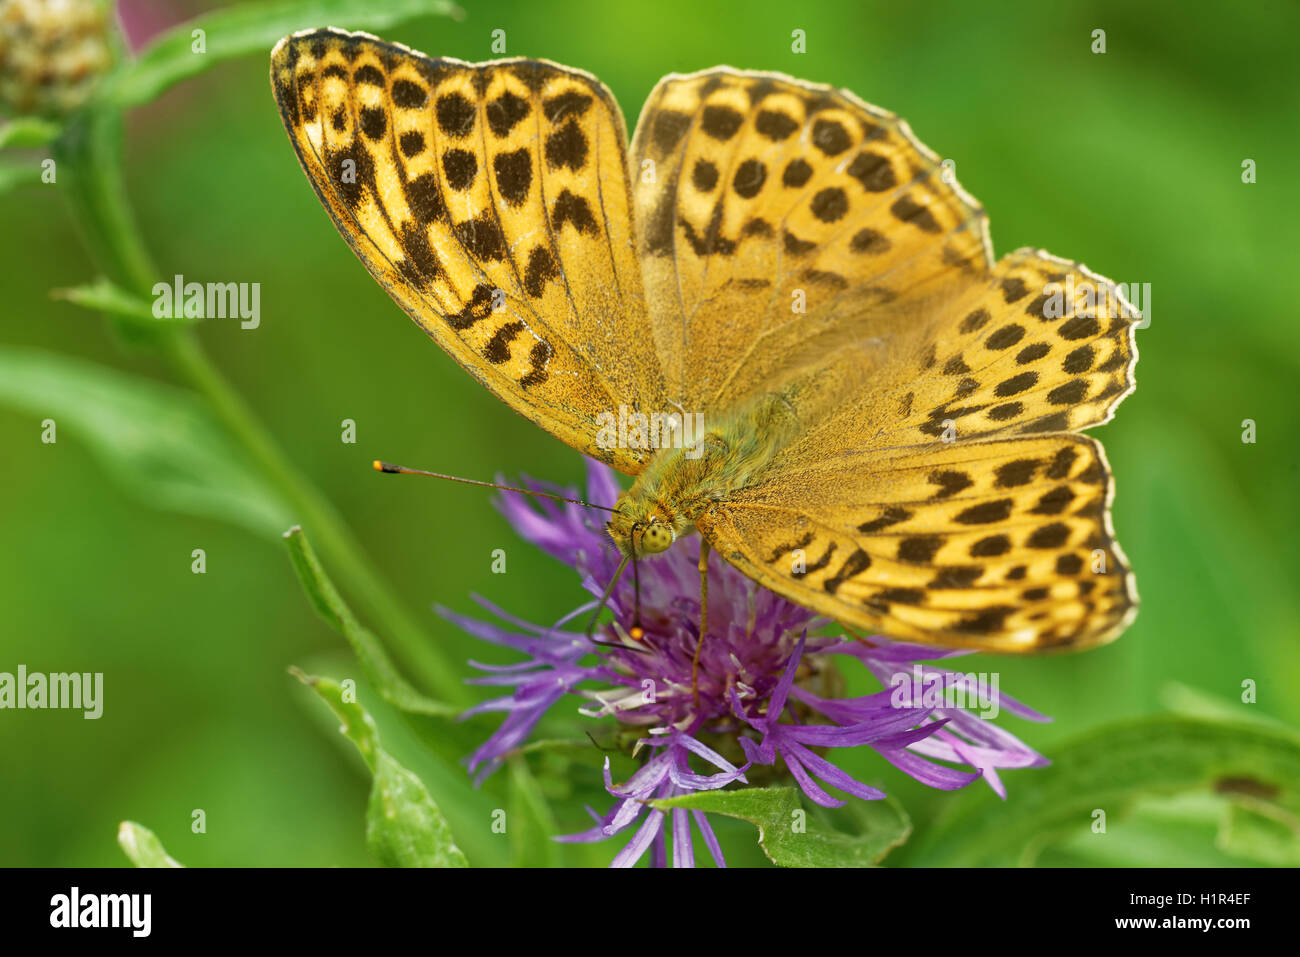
(1000, 545)
(492, 202)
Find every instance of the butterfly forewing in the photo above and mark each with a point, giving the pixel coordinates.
(783, 221)
(491, 201)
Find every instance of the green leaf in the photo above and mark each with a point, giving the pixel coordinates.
(28, 132)
(142, 846)
(329, 604)
(1260, 831)
(792, 837)
(13, 175)
(404, 827)
(251, 28)
(1195, 703)
(531, 826)
(105, 296)
(1244, 763)
(158, 442)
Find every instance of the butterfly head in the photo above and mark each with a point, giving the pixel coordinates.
(640, 528)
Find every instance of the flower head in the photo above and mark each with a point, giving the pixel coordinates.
(766, 693)
(51, 53)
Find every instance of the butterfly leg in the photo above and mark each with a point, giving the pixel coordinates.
(704, 618)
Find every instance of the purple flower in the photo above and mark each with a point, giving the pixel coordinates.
(764, 689)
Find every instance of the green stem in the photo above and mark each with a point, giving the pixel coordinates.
(89, 165)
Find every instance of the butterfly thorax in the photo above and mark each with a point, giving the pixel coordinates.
(678, 484)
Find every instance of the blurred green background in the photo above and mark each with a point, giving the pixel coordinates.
(1130, 161)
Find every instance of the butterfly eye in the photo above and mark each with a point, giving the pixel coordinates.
(656, 538)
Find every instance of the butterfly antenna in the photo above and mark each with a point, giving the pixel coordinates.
(591, 628)
(856, 637)
(403, 470)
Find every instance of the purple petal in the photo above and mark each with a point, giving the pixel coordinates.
(683, 852)
(637, 847)
(710, 839)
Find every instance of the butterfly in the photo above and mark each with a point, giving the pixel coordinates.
(889, 416)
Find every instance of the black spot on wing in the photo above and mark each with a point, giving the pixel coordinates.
(412, 143)
(1071, 393)
(720, 122)
(455, 115)
(990, 547)
(1054, 502)
(497, 349)
(1014, 289)
(997, 510)
(572, 103)
(1019, 472)
(478, 307)
(907, 210)
(950, 483)
(482, 237)
(820, 563)
(830, 204)
(369, 74)
(573, 210)
(704, 176)
(919, 549)
(957, 576)
(1070, 564)
(890, 516)
(830, 137)
(1049, 536)
(1080, 327)
(538, 357)
(424, 198)
(797, 172)
(873, 171)
(986, 622)
(775, 125)
(505, 112)
(857, 562)
(1062, 463)
(540, 270)
(419, 264)
(1032, 353)
(712, 241)
(567, 147)
(902, 596)
(514, 175)
(780, 550)
(374, 123)
(869, 241)
(749, 178)
(796, 246)
(1079, 360)
(669, 125)
(1016, 384)
(460, 167)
